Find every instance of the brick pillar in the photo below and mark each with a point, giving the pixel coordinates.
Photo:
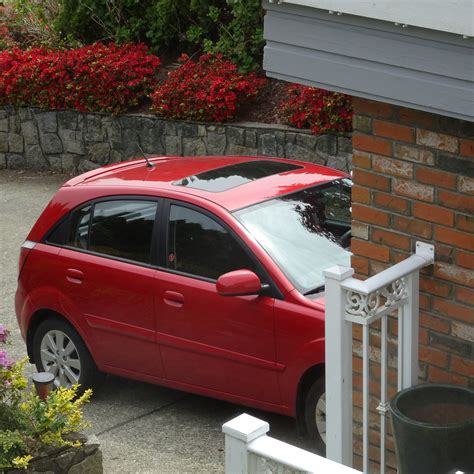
(413, 180)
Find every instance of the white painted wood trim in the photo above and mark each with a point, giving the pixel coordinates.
(338, 368)
(451, 16)
(424, 256)
(295, 458)
(363, 302)
(248, 450)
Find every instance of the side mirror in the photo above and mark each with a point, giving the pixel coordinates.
(238, 283)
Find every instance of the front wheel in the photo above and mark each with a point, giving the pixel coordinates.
(315, 414)
(58, 349)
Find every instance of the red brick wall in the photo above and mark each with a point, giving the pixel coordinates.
(414, 180)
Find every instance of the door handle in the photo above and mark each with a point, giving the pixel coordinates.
(173, 298)
(74, 276)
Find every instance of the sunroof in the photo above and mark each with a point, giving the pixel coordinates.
(228, 177)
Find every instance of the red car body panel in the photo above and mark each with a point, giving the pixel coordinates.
(157, 326)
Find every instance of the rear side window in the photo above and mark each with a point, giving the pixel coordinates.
(73, 231)
(199, 246)
(78, 234)
(121, 228)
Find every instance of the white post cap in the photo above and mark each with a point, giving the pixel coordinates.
(245, 427)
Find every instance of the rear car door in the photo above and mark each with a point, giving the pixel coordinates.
(108, 282)
(224, 344)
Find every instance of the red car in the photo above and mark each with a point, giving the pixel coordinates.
(203, 274)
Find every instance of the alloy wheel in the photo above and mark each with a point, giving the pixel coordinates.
(59, 356)
(320, 414)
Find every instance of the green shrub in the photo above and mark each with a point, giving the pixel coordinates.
(178, 24)
(162, 24)
(88, 21)
(232, 28)
(240, 33)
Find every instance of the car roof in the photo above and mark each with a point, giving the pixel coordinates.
(169, 172)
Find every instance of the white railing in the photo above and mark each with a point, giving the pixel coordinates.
(349, 301)
(248, 450)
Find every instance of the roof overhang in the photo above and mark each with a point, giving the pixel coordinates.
(450, 16)
(383, 60)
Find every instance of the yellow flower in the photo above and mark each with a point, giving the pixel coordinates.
(21, 462)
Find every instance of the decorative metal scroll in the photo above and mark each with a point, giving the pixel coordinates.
(368, 305)
(268, 466)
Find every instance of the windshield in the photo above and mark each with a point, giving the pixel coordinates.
(304, 232)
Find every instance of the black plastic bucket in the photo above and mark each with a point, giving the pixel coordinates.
(433, 427)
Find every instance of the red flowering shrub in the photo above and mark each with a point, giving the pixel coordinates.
(210, 89)
(98, 77)
(317, 109)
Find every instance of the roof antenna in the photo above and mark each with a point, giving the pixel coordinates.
(148, 162)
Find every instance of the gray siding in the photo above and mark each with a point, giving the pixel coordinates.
(411, 67)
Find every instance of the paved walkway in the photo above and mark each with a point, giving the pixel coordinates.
(141, 427)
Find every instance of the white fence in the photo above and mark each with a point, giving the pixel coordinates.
(248, 450)
(349, 301)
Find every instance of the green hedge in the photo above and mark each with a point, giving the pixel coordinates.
(230, 27)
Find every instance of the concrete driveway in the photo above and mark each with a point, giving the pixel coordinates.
(141, 427)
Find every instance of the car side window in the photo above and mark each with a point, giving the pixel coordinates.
(200, 246)
(121, 229)
(78, 234)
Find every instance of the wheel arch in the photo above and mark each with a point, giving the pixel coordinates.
(309, 376)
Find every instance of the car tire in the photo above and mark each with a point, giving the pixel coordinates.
(58, 348)
(315, 414)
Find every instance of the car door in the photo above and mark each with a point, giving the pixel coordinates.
(224, 344)
(108, 282)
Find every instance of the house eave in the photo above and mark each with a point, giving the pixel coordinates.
(450, 16)
(412, 67)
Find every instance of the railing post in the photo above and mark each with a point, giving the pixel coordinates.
(409, 333)
(338, 368)
(239, 432)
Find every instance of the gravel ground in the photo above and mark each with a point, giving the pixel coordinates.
(141, 427)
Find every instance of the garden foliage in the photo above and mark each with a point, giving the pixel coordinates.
(25, 24)
(29, 425)
(211, 89)
(233, 28)
(318, 109)
(239, 33)
(43, 64)
(99, 77)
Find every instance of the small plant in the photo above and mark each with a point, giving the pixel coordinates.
(29, 425)
(99, 77)
(211, 89)
(317, 109)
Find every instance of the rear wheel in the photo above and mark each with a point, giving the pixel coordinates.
(58, 349)
(315, 414)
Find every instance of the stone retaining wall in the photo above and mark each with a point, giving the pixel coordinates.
(71, 141)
